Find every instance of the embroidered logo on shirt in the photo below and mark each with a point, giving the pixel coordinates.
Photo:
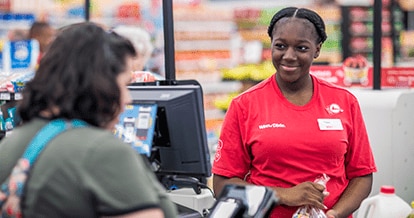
(272, 125)
(334, 109)
(217, 156)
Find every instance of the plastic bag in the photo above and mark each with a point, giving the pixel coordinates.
(309, 211)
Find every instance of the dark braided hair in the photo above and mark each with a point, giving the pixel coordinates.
(302, 13)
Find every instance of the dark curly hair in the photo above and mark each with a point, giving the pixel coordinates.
(302, 13)
(77, 77)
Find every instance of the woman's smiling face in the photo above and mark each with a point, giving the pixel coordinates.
(294, 46)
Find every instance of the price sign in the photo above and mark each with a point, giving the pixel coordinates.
(5, 96)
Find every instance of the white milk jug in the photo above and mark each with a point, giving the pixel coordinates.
(384, 205)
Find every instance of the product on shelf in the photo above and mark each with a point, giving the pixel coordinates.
(407, 45)
(407, 5)
(250, 72)
(204, 41)
(356, 70)
(358, 29)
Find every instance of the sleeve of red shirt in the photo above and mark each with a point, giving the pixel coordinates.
(359, 160)
(232, 158)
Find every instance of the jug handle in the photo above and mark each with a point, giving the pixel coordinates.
(365, 208)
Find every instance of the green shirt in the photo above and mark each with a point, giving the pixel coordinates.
(84, 172)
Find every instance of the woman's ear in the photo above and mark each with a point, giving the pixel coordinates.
(318, 50)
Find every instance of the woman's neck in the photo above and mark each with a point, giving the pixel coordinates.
(299, 92)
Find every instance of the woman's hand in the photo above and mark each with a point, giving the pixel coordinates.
(306, 193)
(332, 214)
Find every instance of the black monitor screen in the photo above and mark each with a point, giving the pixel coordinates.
(180, 143)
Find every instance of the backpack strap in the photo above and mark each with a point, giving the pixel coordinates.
(12, 188)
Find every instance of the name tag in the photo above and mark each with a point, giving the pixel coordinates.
(330, 124)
